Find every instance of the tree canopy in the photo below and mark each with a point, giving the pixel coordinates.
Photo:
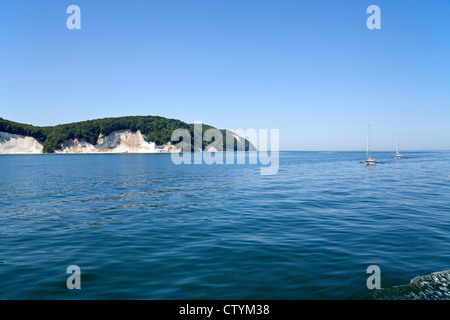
(155, 129)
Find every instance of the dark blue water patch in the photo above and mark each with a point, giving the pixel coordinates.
(140, 227)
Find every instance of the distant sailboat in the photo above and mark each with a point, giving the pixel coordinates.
(369, 158)
(398, 155)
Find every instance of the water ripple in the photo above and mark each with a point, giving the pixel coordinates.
(142, 228)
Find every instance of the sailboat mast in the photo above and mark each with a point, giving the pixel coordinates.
(368, 142)
(397, 143)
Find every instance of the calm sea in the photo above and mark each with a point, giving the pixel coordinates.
(140, 227)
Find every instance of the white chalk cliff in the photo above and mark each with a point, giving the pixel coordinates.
(123, 141)
(17, 144)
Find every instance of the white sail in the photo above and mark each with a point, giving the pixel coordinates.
(397, 143)
(398, 155)
(368, 142)
(369, 158)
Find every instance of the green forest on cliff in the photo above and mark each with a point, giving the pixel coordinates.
(156, 129)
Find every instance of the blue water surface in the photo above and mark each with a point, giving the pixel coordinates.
(141, 227)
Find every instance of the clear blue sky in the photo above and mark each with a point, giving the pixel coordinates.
(309, 68)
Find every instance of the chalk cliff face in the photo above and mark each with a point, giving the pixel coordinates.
(17, 144)
(123, 141)
(117, 142)
(126, 141)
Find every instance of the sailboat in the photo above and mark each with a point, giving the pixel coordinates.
(369, 158)
(398, 155)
